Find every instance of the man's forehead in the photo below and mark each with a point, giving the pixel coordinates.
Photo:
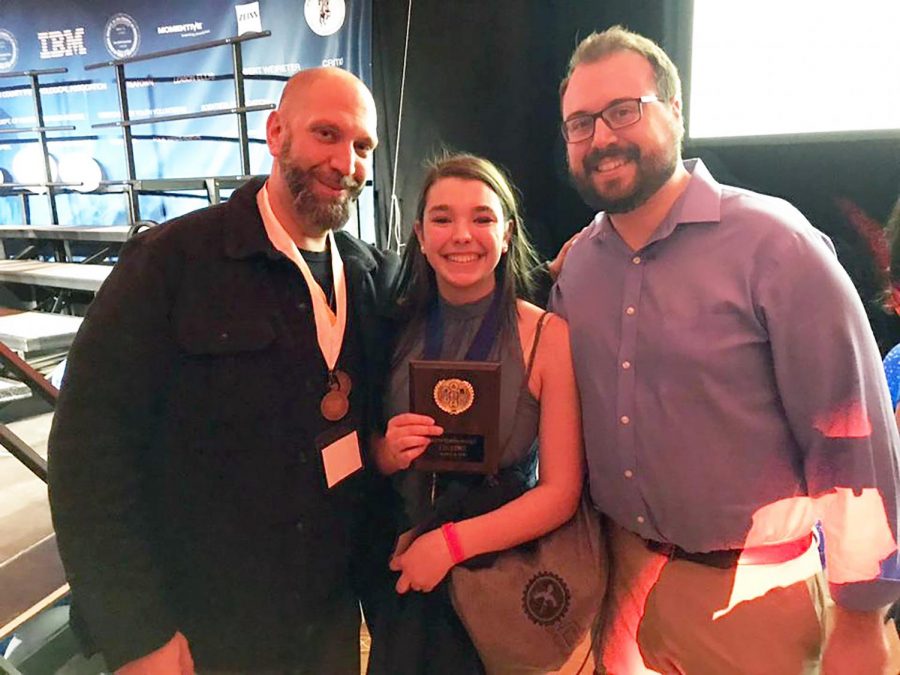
(593, 85)
(348, 108)
(358, 124)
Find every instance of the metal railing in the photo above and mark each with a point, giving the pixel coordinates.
(240, 109)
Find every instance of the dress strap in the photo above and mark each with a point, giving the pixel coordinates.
(534, 345)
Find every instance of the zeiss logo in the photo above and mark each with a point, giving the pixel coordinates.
(249, 19)
(56, 44)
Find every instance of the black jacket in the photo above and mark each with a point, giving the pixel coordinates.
(186, 487)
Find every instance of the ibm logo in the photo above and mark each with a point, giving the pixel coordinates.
(56, 44)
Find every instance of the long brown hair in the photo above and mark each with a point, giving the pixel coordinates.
(417, 286)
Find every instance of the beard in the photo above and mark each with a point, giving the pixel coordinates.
(653, 169)
(319, 212)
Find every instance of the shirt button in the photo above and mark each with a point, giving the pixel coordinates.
(299, 526)
(630, 311)
(628, 473)
(624, 419)
(640, 519)
(223, 335)
(626, 364)
(302, 306)
(636, 260)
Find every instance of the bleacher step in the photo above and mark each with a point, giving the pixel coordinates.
(74, 276)
(29, 332)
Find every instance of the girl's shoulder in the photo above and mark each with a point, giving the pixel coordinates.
(555, 330)
(529, 315)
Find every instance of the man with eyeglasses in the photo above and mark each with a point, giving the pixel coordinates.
(731, 398)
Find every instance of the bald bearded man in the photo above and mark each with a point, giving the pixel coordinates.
(208, 472)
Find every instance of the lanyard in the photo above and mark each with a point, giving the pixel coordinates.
(481, 343)
(330, 325)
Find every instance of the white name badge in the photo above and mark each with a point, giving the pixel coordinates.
(341, 458)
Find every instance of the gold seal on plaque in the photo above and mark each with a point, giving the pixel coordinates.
(454, 396)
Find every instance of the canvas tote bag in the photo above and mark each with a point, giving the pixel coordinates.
(530, 609)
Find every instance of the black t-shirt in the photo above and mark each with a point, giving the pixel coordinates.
(320, 265)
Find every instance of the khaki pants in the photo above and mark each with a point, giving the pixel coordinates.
(673, 616)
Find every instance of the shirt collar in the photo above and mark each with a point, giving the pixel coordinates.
(701, 202)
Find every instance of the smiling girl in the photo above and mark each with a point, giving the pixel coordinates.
(467, 261)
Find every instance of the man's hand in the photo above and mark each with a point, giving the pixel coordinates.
(556, 265)
(173, 658)
(857, 644)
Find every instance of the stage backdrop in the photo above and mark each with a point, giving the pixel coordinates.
(39, 34)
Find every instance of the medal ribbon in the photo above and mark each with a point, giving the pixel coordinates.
(329, 325)
(481, 343)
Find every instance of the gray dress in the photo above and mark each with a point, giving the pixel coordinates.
(519, 410)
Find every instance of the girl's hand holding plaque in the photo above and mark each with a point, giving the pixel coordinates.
(407, 437)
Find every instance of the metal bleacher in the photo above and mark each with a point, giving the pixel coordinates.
(71, 276)
(46, 278)
(41, 274)
(101, 233)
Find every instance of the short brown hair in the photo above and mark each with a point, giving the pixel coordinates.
(617, 39)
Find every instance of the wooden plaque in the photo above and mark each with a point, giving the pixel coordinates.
(464, 398)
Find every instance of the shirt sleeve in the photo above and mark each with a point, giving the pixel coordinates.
(555, 301)
(99, 458)
(555, 297)
(830, 381)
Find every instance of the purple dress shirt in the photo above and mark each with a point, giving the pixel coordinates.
(730, 383)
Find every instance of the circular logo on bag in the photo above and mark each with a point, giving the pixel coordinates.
(546, 598)
(454, 396)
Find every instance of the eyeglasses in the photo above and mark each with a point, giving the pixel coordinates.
(621, 114)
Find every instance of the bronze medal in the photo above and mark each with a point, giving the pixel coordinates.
(343, 381)
(335, 405)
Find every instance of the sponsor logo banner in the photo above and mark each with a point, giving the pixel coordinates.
(248, 18)
(122, 36)
(189, 29)
(9, 50)
(56, 44)
(324, 17)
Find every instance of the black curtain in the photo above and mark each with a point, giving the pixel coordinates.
(482, 76)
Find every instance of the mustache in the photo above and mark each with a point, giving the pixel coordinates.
(592, 159)
(350, 183)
